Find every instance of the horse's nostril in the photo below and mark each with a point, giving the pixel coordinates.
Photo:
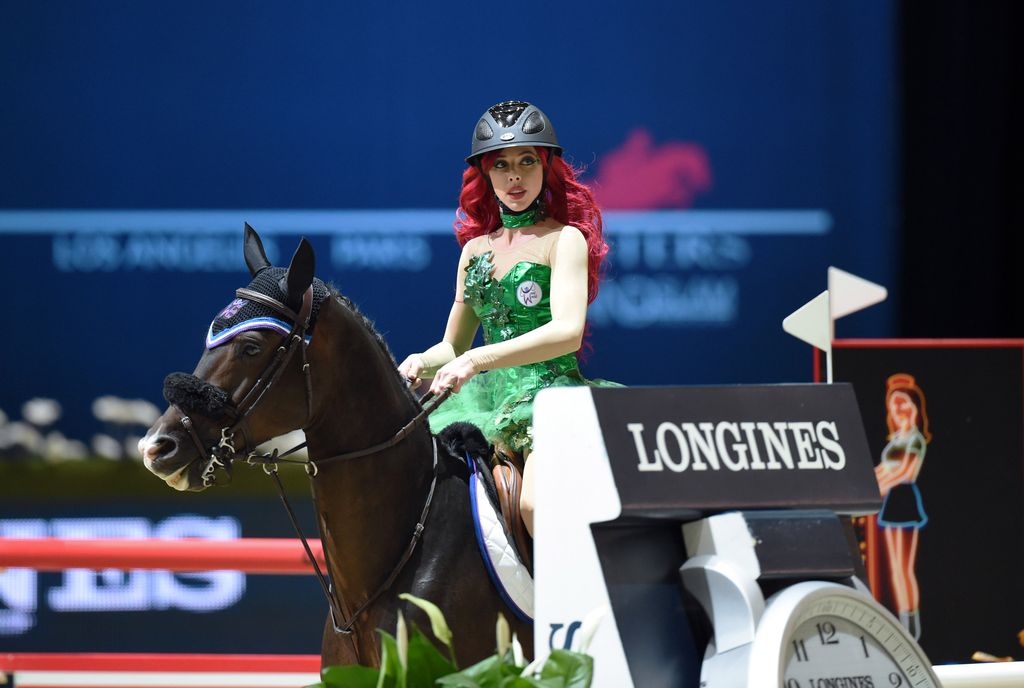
(159, 446)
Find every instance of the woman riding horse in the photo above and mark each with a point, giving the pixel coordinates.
(532, 249)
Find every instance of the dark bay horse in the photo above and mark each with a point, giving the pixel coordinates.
(258, 381)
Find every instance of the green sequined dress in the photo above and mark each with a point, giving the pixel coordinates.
(500, 401)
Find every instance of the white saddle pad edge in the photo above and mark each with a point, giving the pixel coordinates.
(510, 577)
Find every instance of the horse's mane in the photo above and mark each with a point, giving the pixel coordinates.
(372, 330)
(451, 454)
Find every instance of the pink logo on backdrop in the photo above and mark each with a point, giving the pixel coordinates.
(643, 175)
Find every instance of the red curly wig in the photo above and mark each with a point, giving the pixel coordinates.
(565, 199)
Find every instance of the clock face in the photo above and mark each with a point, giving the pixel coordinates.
(832, 650)
(832, 635)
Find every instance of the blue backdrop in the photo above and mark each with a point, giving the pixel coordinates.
(740, 150)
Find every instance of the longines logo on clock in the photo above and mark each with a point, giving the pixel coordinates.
(738, 446)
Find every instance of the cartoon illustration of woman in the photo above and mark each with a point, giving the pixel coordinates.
(902, 515)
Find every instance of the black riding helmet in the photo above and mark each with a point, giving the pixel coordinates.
(512, 123)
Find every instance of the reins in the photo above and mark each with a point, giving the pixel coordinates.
(429, 403)
(270, 461)
(224, 452)
(346, 627)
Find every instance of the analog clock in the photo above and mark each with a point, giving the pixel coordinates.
(816, 634)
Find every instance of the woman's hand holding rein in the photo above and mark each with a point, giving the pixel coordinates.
(454, 374)
(412, 369)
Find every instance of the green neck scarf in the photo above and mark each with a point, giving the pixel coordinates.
(524, 219)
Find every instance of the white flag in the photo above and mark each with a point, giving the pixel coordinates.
(851, 293)
(810, 323)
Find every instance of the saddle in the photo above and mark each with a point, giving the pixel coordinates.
(501, 471)
(507, 471)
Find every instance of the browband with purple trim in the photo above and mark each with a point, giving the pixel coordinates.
(263, 323)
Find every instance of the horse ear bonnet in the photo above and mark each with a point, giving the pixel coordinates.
(242, 314)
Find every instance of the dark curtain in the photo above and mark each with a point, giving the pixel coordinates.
(962, 194)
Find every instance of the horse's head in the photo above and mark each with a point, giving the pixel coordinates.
(251, 383)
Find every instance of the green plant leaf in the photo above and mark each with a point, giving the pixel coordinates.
(530, 682)
(392, 675)
(458, 681)
(351, 676)
(426, 663)
(484, 674)
(576, 670)
(425, 666)
(438, 625)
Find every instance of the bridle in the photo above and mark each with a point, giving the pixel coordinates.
(221, 455)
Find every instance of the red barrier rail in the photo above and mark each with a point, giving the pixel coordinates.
(250, 555)
(50, 670)
(117, 661)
